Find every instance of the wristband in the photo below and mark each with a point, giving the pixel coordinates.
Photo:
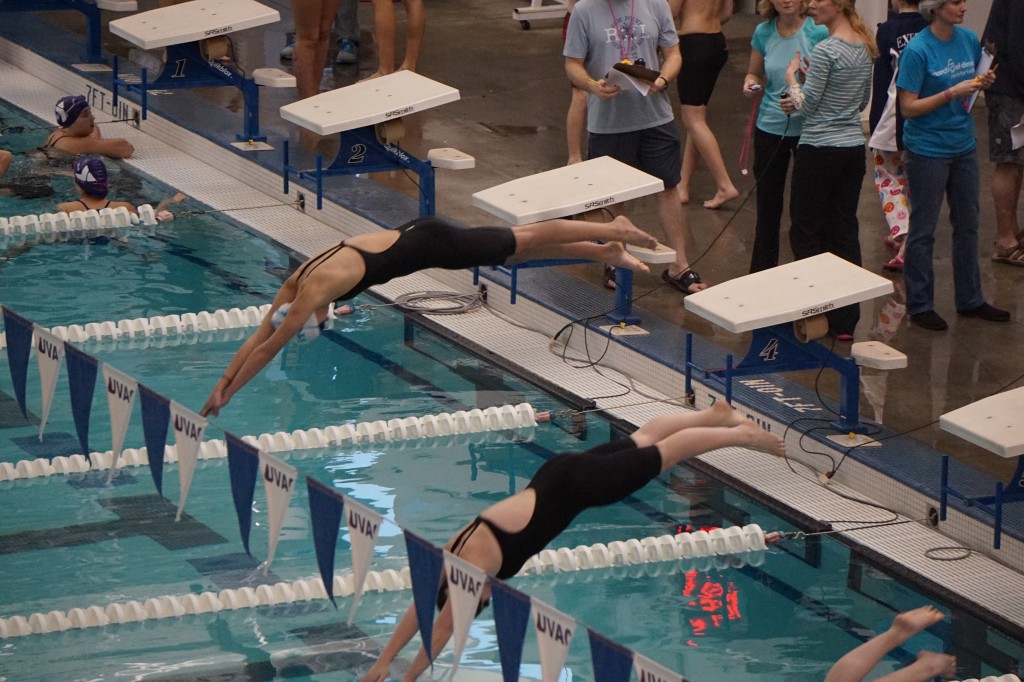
(948, 92)
(662, 78)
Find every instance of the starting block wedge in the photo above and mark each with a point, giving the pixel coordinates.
(368, 116)
(659, 255)
(273, 78)
(877, 355)
(773, 303)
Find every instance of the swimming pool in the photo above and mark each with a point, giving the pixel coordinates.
(366, 369)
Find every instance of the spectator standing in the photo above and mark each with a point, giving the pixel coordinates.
(886, 125)
(1005, 100)
(635, 128)
(787, 31)
(935, 82)
(384, 30)
(704, 52)
(830, 165)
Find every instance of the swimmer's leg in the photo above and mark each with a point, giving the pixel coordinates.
(562, 231)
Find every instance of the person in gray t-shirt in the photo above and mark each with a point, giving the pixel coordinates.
(626, 124)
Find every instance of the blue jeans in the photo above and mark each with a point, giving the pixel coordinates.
(929, 179)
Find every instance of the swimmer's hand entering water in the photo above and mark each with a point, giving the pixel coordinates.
(162, 214)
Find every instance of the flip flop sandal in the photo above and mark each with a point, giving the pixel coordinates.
(683, 282)
(894, 265)
(608, 279)
(1010, 256)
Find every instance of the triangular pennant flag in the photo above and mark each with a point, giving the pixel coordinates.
(554, 635)
(363, 528)
(188, 436)
(49, 354)
(425, 568)
(121, 391)
(612, 661)
(19, 344)
(156, 417)
(279, 483)
(465, 589)
(82, 370)
(325, 507)
(649, 671)
(243, 466)
(511, 614)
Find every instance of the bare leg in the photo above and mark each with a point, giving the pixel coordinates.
(575, 125)
(384, 33)
(1006, 186)
(415, 23)
(670, 214)
(690, 158)
(659, 428)
(694, 441)
(312, 39)
(562, 231)
(611, 253)
(704, 143)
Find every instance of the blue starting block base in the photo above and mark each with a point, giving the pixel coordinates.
(776, 349)
(187, 68)
(990, 504)
(621, 314)
(362, 152)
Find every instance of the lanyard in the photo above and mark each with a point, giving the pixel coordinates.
(624, 54)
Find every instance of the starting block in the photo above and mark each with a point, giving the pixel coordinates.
(91, 11)
(368, 117)
(784, 308)
(993, 423)
(572, 190)
(194, 36)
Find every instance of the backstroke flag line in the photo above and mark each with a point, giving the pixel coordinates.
(465, 588)
(279, 483)
(554, 635)
(363, 529)
(188, 436)
(49, 354)
(19, 346)
(121, 392)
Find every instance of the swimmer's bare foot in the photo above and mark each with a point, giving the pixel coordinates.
(407, 66)
(684, 194)
(723, 414)
(722, 196)
(631, 234)
(907, 624)
(615, 254)
(756, 438)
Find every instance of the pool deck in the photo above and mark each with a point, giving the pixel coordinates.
(513, 136)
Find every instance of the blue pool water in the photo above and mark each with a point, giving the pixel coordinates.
(72, 541)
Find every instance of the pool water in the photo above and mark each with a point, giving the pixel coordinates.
(72, 541)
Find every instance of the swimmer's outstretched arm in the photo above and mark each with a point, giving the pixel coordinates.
(260, 348)
(855, 665)
(161, 208)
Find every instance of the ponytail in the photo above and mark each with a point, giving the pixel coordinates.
(860, 28)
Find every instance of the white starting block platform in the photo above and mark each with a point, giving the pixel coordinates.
(368, 103)
(566, 191)
(799, 293)
(578, 189)
(787, 293)
(368, 117)
(995, 423)
(192, 21)
(191, 35)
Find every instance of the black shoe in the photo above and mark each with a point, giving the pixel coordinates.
(986, 312)
(930, 319)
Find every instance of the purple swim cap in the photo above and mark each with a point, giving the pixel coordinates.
(69, 108)
(91, 176)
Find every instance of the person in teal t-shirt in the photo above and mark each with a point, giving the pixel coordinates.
(773, 45)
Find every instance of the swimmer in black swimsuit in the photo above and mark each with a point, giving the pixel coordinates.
(345, 270)
(506, 534)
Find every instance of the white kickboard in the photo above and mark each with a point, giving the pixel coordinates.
(191, 21)
(369, 102)
(786, 293)
(995, 423)
(567, 191)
